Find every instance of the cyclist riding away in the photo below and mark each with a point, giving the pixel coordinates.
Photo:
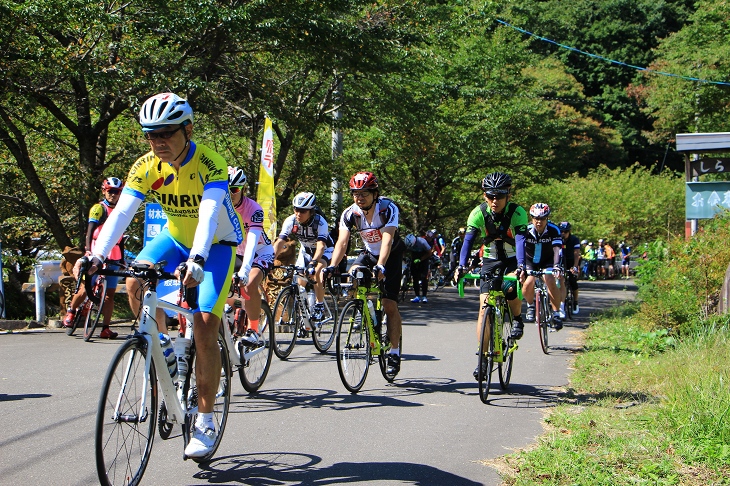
(570, 263)
(376, 219)
(316, 245)
(421, 252)
(190, 182)
(99, 213)
(502, 225)
(542, 250)
(254, 256)
(456, 244)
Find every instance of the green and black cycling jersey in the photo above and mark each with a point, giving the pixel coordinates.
(503, 234)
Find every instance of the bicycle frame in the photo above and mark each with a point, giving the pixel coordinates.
(376, 348)
(174, 401)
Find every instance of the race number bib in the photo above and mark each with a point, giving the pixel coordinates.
(371, 236)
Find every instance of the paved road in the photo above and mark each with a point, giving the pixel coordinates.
(428, 427)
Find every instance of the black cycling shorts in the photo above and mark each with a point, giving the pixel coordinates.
(393, 268)
(492, 272)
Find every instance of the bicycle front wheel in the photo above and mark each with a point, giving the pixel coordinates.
(505, 367)
(542, 318)
(486, 354)
(92, 318)
(79, 318)
(323, 332)
(286, 322)
(255, 362)
(568, 301)
(222, 397)
(126, 416)
(353, 347)
(385, 348)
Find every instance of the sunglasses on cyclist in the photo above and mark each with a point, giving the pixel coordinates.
(497, 197)
(113, 192)
(162, 135)
(234, 190)
(539, 219)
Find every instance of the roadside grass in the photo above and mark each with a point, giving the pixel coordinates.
(641, 408)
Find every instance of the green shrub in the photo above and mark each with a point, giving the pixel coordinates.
(680, 282)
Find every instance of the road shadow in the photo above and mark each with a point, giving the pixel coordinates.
(266, 401)
(4, 397)
(294, 468)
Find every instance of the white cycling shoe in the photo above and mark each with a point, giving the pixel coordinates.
(201, 443)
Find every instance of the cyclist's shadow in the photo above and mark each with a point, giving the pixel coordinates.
(295, 468)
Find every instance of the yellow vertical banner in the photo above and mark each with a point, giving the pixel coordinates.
(266, 196)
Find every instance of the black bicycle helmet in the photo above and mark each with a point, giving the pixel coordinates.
(496, 183)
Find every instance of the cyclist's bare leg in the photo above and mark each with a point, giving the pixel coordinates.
(390, 307)
(207, 359)
(319, 282)
(108, 306)
(488, 334)
(253, 304)
(528, 289)
(553, 292)
(78, 298)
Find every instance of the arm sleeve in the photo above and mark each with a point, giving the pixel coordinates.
(207, 221)
(118, 221)
(520, 248)
(252, 238)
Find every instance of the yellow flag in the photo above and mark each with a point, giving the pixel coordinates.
(266, 194)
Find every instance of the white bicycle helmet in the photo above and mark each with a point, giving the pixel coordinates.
(164, 109)
(410, 241)
(236, 177)
(304, 200)
(112, 183)
(540, 210)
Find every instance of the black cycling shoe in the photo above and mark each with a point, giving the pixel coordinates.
(393, 365)
(518, 328)
(557, 323)
(484, 370)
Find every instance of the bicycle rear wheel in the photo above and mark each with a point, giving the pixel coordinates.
(486, 354)
(92, 318)
(542, 318)
(255, 362)
(124, 430)
(323, 332)
(353, 347)
(222, 397)
(286, 322)
(505, 367)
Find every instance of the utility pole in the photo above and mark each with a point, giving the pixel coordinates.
(336, 196)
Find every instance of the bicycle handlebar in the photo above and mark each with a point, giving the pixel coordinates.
(475, 276)
(147, 273)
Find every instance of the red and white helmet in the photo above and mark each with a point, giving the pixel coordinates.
(363, 181)
(112, 183)
(540, 210)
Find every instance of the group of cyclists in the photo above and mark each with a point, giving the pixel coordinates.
(214, 231)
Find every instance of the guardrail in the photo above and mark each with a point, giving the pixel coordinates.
(47, 275)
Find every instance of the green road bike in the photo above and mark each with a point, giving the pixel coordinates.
(496, 346)
(363, 333)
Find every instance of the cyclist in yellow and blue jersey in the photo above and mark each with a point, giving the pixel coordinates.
(190, 181)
